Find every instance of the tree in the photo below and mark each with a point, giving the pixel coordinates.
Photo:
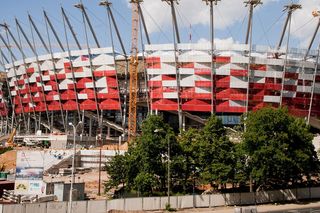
(187, 163)
(216, 153)
(147, 157)
(117, 171)
(279, 148)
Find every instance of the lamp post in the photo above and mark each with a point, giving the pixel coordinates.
(79, 125)
(168, 142)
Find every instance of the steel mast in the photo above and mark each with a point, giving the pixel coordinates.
(213, 64)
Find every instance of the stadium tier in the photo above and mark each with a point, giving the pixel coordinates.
(177, 80)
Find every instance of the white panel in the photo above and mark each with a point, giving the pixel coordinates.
(259, 73)
(271, 99)
(170, 95)
(46, 78)
(223, 71)
(304, 89)
(155, 78)
(274, 74)
(189, 71)
(304, 76)
(64, 84)
(21, 70)
(79, 75)
(105, 67)
(238, 83)
(237, 103)
(89, 85)
(188, 81)
(81, 63)
(163, 71)
(10, 73)
(56, 97)
(289, 94)
(13, 93)
(101, 83)
(48, 88)
(103, 59)
(171, 83)
(202, 78)
(239, 59)
(203, 65)
(69, 75)
(82, 96)
(290, 82)
(202, 90)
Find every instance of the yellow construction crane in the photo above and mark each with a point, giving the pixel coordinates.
(133, 85)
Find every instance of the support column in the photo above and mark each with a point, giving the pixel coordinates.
(90, 126)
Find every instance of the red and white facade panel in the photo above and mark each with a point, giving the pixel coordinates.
(37, 86)
(228, 84)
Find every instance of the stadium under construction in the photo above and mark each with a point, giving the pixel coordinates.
(111, 91)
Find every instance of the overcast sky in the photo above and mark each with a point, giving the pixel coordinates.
(193, 19)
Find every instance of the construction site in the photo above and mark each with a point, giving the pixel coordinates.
(98, 96)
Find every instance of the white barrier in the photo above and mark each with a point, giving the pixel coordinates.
(158, 203)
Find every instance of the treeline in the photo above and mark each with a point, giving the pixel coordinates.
(275, 151)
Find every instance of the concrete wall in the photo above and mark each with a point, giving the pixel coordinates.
(156, 203)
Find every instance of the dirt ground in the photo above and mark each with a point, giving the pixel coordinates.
(90, 179)
(9, 160)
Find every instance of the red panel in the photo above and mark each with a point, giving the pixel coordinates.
(290, 87)
(260, 67)
(256, 86)
(168, 77)
(187, 65)
(223, 84)
(239, 72)
(238, 97)
(61, 76)
(30, 70)
(164, 104)
(153, 63)
(110, 105)
(202, 71)
(273, 86)
(104, 73)
(70, 105)
(68, 94)
(114, 95)
(291, 75)
(155, 83)
(112, 82)
(156, 93)
(53, 106)
(196, 105)
(222, 59)
(88, 105)
(203, 83)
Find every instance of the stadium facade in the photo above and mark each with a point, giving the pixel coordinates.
(186, 82)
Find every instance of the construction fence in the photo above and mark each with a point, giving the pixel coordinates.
(158, 203)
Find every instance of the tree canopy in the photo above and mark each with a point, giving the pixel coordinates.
(279, 148)
(276, 151)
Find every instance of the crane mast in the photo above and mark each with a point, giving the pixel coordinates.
(133, 85)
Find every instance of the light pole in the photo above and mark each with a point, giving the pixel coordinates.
(79, 125)
(168, 142)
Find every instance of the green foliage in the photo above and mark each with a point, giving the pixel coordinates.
(276, 151)
(216, 153)
(279, 148)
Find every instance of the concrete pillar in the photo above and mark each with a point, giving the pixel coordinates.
(108, 132)
(90, 127)
(183, 122)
